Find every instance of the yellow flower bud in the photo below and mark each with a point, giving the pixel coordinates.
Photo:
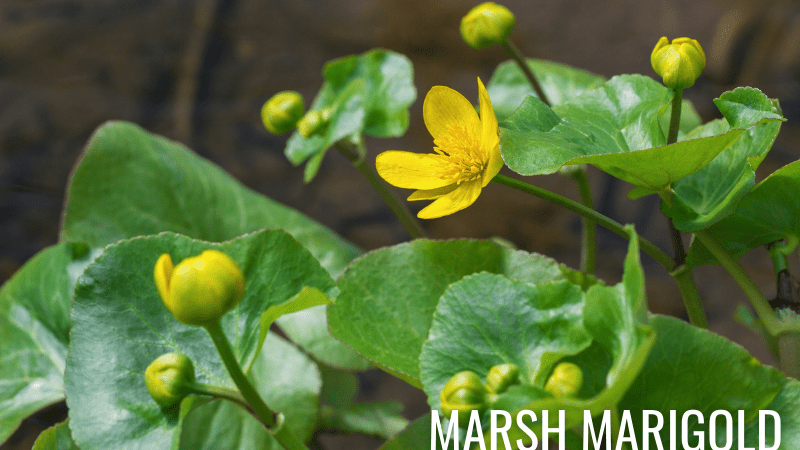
(281, 112)
(487, 24)
(566, 380)
(315, 122)
(169, 378)
(501, 377)
(679, 63)
(465, 393)
(200, 289)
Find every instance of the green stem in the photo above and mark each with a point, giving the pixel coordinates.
(589, 235)
(223, 393)
(675, 118)
(520, 60)
(772, 323)
(397, 206)
(249, 393)
(691, 298)
(681, 272)
(647, 246)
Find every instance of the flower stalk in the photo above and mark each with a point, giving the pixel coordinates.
(602, 220)
(515, 54)
(269, 418)
(398, 207)
(589, 234)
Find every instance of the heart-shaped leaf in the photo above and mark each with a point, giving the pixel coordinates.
(388, 297)
(133, 183)
(34, 331)
(618, 128)
(560, 82)
(484, 320)
(120, 326)
(693, 369)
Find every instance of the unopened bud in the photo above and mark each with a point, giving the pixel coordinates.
(680, 63)
(487, 24)
(464, 392)
(566, 380)
(281, 112)
(169, 378)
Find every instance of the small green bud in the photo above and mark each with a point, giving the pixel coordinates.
(487, 24)
(315, 122)
(465, 393)
(680, 63)
(281, 112)
(566, 380)
(501, 377)
(169, 378)
(200, 289)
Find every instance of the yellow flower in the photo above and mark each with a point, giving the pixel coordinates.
(467, 154)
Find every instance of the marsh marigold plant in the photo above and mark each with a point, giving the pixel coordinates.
(466, 158)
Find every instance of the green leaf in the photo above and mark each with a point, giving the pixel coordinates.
(471, 329)
(617, 128)
(379, 419)
(133, 183)
(34, 332)
(767, 213)
(560, 82)
(689, 368)
(339, 387)
(308, 297)
(120, 325)
(288, 382)
(57, 437)
(604, 331)
(713, 192)
(309, 328)
(388, 297)
(369, 94)
(416, 436)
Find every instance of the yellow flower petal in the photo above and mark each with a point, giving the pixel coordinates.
(490, 140)
(493, 166)
(162, 274)
(444, 107)
(461, 197)
(409, 170)
(432, 194)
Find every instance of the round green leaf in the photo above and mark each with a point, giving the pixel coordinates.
(120, 325)
(34, 331)
(689, 368)
(485, 319)
(388, 297)
(133, 183)
(560, 82)
(618, 128)
(370, 94)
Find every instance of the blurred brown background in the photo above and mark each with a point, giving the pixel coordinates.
(199, 71)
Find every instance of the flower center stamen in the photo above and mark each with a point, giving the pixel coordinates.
(461, 156)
